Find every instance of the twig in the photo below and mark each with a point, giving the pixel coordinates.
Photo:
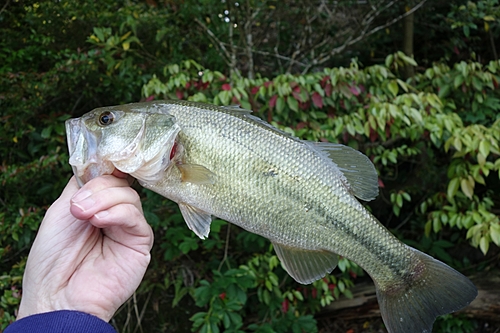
(217, 41)
(226, 248)
(139, 319)
(136, 311)
(350, 41)
(4, 6)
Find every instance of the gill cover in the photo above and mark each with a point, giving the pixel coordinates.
(136, 141)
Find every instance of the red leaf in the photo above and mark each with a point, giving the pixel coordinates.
(150, 98)
(317, 100)
(267, 84)
(272, 101)
(373, 135)
(328, 89)
(222, 296)
(179, 94)
(301, 125)
(284, 305)
(226, 86)
(355, 90)
(235, 101)
(296, 95)
(255, 90)
(304, 105)
(345, 137)
(380, 183)
(323, 80)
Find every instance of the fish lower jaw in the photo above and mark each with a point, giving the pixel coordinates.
(85, 174)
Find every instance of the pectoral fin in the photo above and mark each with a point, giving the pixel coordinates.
(196, 219)
(306, 266)
(196, 174)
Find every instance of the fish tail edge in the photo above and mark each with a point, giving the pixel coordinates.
(435, 290)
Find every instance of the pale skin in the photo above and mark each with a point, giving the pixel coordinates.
(91, 251)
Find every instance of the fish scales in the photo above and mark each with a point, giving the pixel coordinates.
(302, 180)
(221, 161)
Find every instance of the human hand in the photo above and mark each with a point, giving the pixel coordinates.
(90, 253)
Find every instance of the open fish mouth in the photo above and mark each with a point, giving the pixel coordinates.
(90, 156)
(82, 146)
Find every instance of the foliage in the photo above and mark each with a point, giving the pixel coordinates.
(399, 124)
(433, 138)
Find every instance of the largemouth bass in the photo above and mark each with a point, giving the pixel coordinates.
(224, 162)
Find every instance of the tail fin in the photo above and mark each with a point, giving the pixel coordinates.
(438, 290)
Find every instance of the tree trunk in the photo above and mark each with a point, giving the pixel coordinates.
(408, 42)
(364, 303)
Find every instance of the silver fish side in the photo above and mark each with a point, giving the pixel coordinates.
(301, 196)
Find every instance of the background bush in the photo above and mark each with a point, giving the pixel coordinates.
(433, 136)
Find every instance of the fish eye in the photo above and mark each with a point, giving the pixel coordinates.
(106, 118)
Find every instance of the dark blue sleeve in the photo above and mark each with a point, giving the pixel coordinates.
(60, 322)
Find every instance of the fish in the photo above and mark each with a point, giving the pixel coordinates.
(303, 196)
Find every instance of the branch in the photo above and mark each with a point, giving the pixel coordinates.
(216, 41)
(4, 6)
(365, 34)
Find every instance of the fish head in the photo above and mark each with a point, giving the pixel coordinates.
(135, 138)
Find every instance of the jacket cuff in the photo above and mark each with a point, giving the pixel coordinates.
(60, 322)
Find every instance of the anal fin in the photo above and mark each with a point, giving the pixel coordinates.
(306, 266)
(197, 220)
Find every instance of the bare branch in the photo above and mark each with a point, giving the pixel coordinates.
(217, 42)
(364, 34)
(4, 7)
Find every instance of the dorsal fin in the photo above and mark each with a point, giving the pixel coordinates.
(356, 167)
(236, 110)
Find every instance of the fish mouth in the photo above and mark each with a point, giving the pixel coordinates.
(87, 163)
(82, 146)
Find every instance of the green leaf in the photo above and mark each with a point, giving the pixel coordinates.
(292, 103)
(280, 104)
(452, 188)
(46, 132)
(484, 245)
(444, 91)
(393, 87)
(459, 79)
(495, 233)
(467, 187)
(428, 228)
(436, 224)
(399, 200)
(484, 147)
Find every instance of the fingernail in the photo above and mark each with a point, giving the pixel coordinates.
(81, 195)
(102, 214)
(83, 200)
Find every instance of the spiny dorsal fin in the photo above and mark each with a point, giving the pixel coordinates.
(236, 110)
(306, 266)
(196, 219)
(196, 174)
(356, 167)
